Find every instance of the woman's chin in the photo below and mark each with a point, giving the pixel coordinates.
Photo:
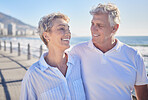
(66, 47)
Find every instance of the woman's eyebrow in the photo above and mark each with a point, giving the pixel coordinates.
(61, 25)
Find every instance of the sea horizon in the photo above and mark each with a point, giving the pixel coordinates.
(137, 42)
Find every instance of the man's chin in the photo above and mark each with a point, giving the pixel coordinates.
(94, 40)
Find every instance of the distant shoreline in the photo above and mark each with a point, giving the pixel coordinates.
(37, 36)
(29, 36)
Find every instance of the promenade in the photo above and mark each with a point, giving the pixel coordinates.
(12, 71)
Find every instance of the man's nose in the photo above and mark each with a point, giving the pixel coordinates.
(94, 28)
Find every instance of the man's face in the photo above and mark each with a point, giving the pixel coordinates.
(100, 29)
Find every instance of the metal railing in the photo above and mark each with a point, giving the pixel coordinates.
(19, 51)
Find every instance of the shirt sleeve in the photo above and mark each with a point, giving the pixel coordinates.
(141, 78)
(27, 90)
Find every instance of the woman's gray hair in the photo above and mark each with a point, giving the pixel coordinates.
(110, 9)
(46, 23)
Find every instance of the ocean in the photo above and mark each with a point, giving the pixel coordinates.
(137, 42)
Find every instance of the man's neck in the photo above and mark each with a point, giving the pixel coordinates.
(104, 47)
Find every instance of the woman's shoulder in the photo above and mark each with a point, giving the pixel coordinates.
(33, 67)
(31, 70)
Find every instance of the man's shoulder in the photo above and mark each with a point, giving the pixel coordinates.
(129, 49)
(79, 48)
(81, 45)
(74, 57)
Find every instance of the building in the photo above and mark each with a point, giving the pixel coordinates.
(5, 31)
(29, 32)
(1, 28)
(12, 29)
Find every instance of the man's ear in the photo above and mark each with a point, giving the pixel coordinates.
(115, 28)
(46, 36)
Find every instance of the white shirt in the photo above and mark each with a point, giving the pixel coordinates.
(43, 82)
(111, 75)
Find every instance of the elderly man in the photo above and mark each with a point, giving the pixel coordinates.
(110, 68)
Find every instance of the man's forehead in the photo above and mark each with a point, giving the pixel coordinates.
(100, 17)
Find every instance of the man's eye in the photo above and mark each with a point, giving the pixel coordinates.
(62, 29)
(99, 25)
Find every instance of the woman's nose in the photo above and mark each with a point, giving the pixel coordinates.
(68, 32)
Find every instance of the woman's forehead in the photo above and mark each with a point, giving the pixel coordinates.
(59, 22)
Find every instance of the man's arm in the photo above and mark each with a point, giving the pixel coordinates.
(141, 92)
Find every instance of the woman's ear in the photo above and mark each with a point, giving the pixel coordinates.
(46, 36)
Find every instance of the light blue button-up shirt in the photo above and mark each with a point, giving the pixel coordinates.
(45, 82)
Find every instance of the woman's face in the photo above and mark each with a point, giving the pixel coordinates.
(59, 35)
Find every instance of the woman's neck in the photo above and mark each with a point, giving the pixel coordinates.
(56, 57)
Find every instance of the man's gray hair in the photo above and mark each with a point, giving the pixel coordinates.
(46, 23)
(110, 9)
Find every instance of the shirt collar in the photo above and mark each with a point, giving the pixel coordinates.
(91, 45)
(44, 65)
(70, 58)
(42, 62)
(116, 47)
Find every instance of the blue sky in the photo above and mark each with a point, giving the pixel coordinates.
(134, 14)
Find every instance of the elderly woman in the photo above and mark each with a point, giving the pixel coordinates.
(56, 76)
